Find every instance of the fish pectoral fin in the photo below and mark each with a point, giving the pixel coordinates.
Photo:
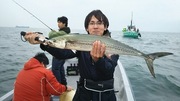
(74, 51)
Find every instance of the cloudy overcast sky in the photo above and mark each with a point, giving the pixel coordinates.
(148, 15)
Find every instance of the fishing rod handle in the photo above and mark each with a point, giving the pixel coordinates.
(42, 40)
(24, 33)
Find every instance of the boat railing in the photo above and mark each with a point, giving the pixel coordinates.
(127, 86)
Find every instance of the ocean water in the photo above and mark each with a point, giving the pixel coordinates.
(165, 87)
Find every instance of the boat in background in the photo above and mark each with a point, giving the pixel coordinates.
(122, 85)
(22, 26)
(131, 31)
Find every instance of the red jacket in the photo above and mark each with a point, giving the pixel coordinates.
(36, 83)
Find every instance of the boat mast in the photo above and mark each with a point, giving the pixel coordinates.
(131, 19)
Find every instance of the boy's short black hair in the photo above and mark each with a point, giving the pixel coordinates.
(99, 15)
(63, 19)
(41, 57)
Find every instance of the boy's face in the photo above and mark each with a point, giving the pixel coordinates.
(96, 27)
(61, 25)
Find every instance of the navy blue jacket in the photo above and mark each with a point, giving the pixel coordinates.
(101, 70)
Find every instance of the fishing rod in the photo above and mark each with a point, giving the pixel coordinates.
(24, 33)
(32, 15)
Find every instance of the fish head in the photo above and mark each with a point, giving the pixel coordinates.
(58, 42)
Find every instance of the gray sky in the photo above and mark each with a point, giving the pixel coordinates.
(148, 15)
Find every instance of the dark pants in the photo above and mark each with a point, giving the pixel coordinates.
(82, 94)
(58, 70)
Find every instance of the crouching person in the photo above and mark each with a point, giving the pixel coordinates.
(36, 83)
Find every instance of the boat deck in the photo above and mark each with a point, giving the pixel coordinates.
(71, 80)
(121, 84)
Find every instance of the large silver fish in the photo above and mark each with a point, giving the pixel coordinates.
(83, 42)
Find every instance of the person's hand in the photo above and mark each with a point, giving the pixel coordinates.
(30, 37)
(69, 88)
(98, 50)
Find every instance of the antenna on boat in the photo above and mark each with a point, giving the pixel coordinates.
(32, 15)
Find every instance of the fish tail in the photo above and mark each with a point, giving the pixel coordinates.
(151, 57)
